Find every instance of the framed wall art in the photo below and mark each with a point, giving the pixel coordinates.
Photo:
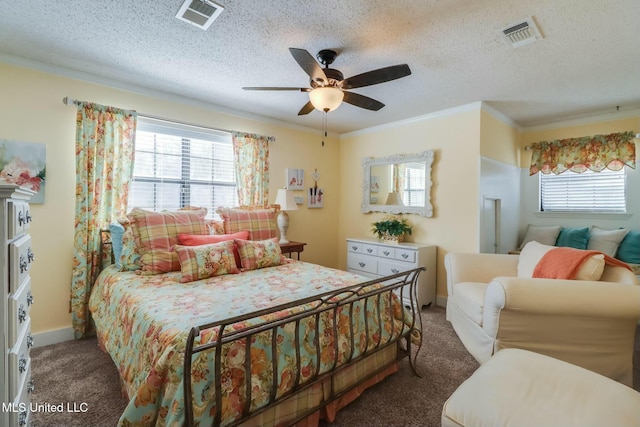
(295, 179)
(24, 163)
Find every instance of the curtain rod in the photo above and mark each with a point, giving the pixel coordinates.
(70, 101)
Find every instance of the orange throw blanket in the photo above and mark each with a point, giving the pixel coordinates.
(563, 263)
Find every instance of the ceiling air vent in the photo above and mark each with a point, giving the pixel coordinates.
(200, 13)
(520, 33)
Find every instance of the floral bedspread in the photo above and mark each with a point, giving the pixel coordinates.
(143, 323)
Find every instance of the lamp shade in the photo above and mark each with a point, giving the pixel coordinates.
(394, 199)
(285, 199)
(326, 98)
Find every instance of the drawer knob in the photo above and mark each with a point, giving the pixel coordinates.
(29, 298)
(22, 418)
(28, 217)
(354, 248)
(23, 264)
(22, 314)
(395, 270)
(362, 264)
(369, 250)
(404, 255)
(31, 386)
(30, 341)
(20, 218)
(30, 256)
(22, 363)
(386, 253)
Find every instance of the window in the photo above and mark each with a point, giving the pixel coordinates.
(179, 165)
(413, 192)
(583, 192)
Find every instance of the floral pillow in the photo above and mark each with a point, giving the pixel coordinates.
(256, 254)
(201, 262)
(197, 240)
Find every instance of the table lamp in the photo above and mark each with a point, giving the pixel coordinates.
(394, 199)
(286, 201)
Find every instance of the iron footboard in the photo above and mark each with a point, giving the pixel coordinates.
(332, 304)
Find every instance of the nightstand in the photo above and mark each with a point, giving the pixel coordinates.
(291, 247)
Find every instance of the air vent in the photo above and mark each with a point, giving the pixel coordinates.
(200, 13)
(520, 33)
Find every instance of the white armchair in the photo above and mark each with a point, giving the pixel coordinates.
(588, 323)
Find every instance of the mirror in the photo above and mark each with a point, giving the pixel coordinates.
(398, 184)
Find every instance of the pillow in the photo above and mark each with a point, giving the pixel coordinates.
(157, 232)
(117, 230)
(260, 223)
(591, 269)
(606, 241)
(196, 240)
(259, 254)
(543, 235)
(629, 249)
(201, 262)
(573, 237)
(215, 226)
(129, 257)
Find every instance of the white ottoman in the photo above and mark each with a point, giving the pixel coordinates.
(520, 388)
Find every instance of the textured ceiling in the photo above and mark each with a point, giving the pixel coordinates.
(587, 63)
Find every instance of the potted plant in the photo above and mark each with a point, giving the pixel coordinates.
(391, 228)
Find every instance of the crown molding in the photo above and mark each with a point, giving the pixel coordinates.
(141, 90)
(474, 106)
(584, 120)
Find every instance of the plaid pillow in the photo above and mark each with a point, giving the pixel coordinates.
(259, 254)
(157, 232)
(200, 262)
(260, 223)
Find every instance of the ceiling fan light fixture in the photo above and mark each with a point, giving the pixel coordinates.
(326, 98)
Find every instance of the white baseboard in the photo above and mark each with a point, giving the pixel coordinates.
(43, 339)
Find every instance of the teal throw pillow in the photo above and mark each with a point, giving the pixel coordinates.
(573, 237)
(117, 230)
(629, 249)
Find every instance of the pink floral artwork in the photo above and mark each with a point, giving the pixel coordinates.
(24, 163)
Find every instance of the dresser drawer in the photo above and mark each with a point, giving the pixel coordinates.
(386, 252)
(354, 247)
(369, 249)
(19, 218)
(19, 359)
(362, 263)
(20, 416)
(19, 308)
(402, 254)
(388, 268)
(20, 260)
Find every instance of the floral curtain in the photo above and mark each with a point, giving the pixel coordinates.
(251, 158)
(104, 161)
(613, 151)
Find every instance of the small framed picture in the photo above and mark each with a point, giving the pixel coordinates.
(315, 198)
(375, 185)
(295, 179)
(299, 199)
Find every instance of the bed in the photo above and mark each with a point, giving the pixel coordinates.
(278, 345)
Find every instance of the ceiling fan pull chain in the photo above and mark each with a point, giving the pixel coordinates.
(324, 126)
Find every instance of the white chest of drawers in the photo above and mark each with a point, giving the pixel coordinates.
(373, 258)
(16, 257)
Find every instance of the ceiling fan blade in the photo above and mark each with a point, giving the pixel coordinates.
(308, 107)
(309, 65)
(362, 101)
(300, 89)
(374, 77)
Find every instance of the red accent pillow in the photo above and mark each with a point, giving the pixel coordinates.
(207, 239)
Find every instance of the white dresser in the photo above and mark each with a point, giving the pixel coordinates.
(373, 258)
(17, 258)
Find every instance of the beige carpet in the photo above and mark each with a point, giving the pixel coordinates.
(77, 372)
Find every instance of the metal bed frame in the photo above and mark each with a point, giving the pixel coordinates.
(329, 303)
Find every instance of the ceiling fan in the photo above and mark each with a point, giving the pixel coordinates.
(329, 87)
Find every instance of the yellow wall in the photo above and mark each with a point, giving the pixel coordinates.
(31, 110)
(455, 140)
(498, 140)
